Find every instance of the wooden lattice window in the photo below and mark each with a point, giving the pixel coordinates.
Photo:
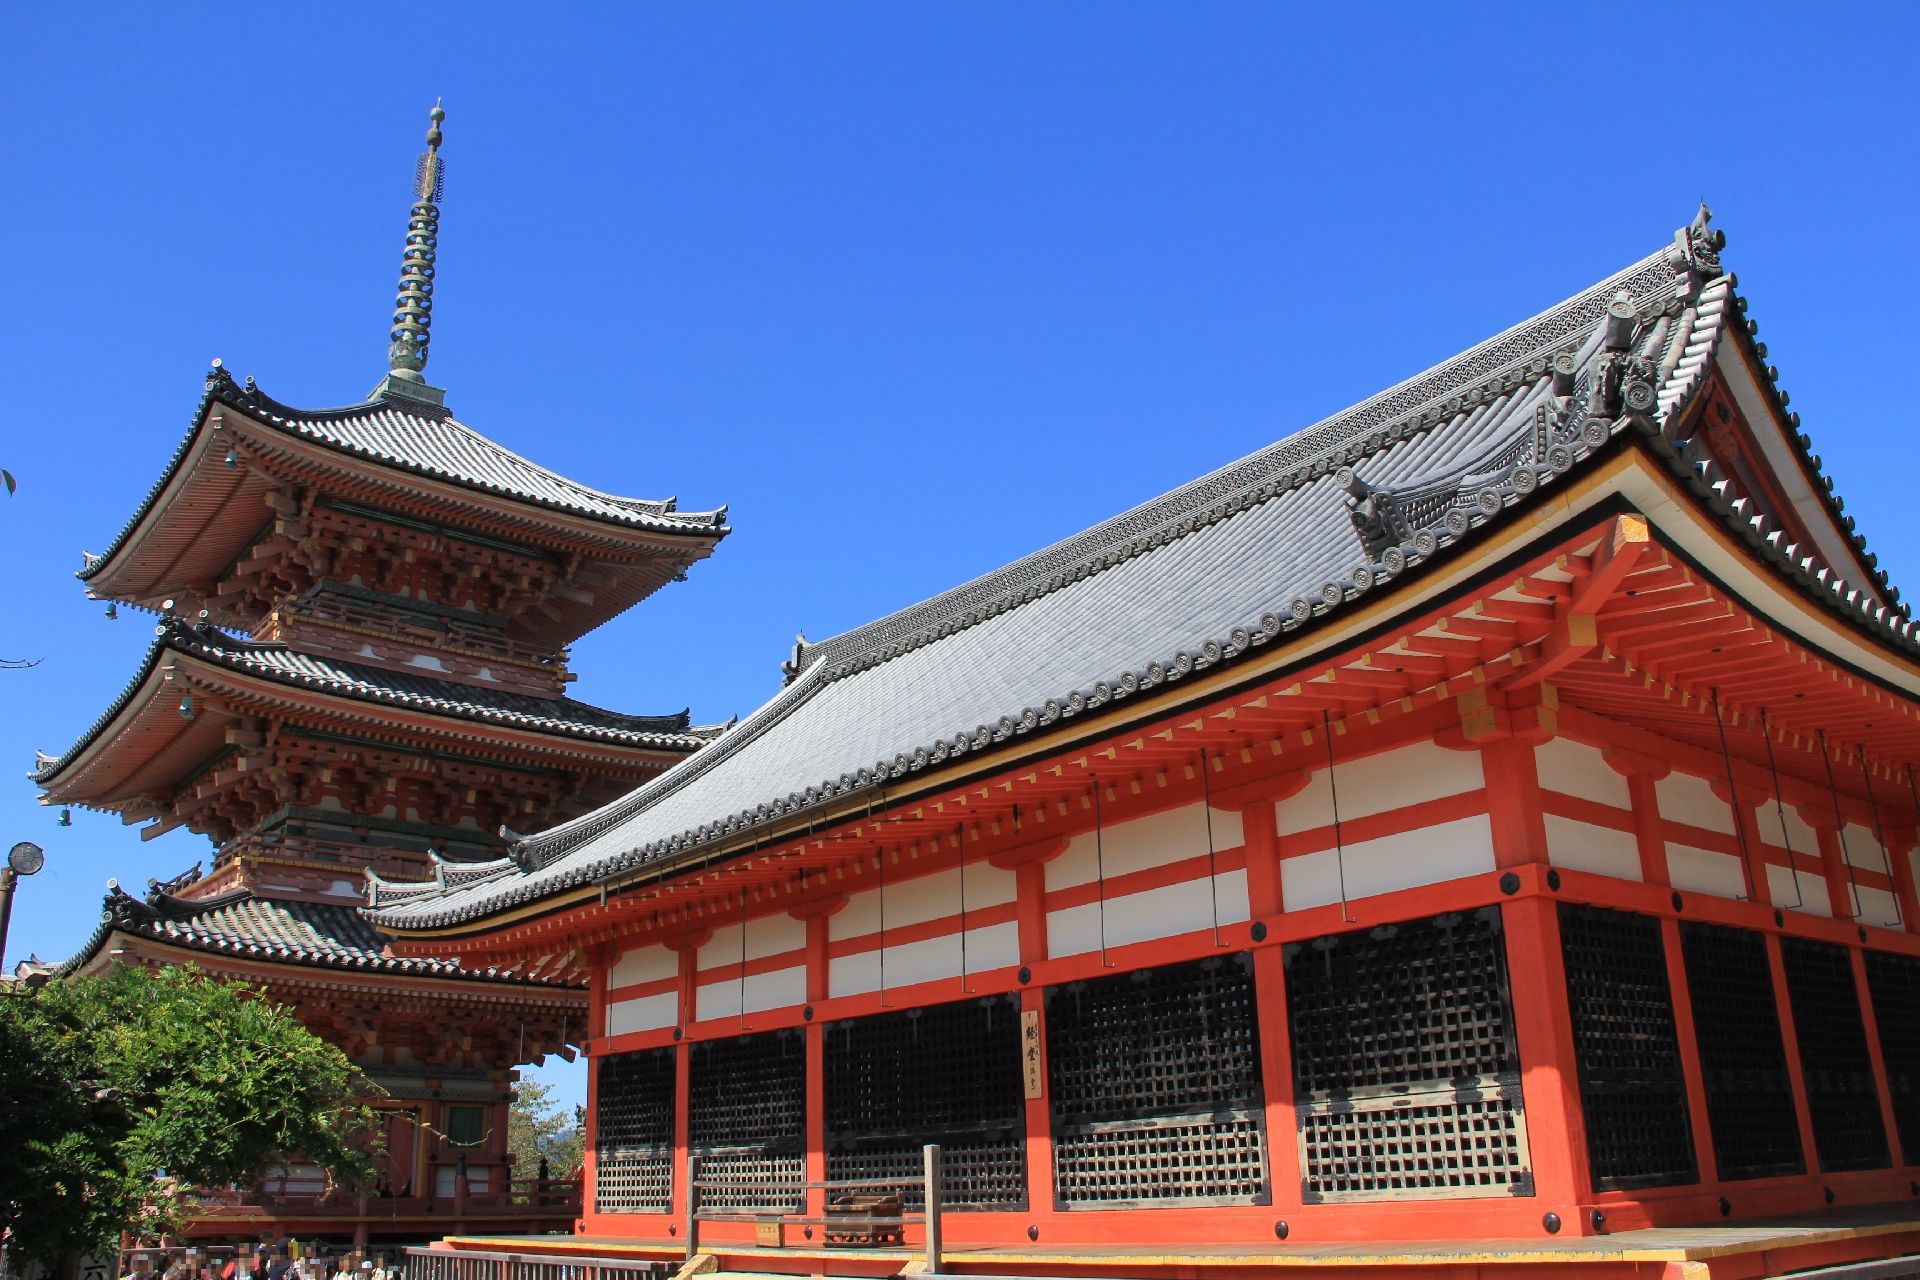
(1153, 1079)
(946, 1073)
(1406, 1075)
(1632, 1087)
(633, 1132)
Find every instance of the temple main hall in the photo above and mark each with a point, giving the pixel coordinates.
(1473, 835)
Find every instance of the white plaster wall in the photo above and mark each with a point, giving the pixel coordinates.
(772, 990)
(1812, 891)
(990, 947)
(1805, 838)
(1581, 846)
(1164, 912)
(1576, 769)
(766, 936)
(1685, 798)
(643, 964)
(1429, 855)
(648, 1013)
(1877, 907)
(1389, 780)
(1140, 845)
(1863, 850)
(1705, 871)
(923, 898)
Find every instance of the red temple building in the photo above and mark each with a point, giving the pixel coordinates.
(1474, 835)
(359, 679)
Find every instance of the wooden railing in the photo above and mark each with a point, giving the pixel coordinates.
(424, 1263)
(559, 1197)
(866, 1222)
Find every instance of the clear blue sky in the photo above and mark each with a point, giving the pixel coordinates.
(915, 289)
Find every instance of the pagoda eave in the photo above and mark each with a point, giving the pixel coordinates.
(220, 499)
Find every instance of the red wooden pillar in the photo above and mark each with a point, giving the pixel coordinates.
(1642, 772)
(688, 948)
(1900, 843)
(1537, 976)
(1833, 867)
(1790, 1043)
(814, 915)
(1513, 801)
(599, 981)
(1266, 901)
(1029, 865)
(1747, 839)
(1689, 1040)
(1549, 1069)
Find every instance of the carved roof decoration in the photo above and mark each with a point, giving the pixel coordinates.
(241, 925)
(1255, 551)
(563, 716)
(419, 439)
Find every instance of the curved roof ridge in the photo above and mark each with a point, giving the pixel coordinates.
(1241, 480)
(538, 485)
(567, 716)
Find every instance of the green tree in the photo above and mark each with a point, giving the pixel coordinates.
(123, 1092)
(538, 1126)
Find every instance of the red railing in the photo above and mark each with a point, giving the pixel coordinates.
(281, 1197)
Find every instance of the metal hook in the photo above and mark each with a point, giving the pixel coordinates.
(1880, 835)
(743, 961)
(1100, 873)
(964, 985)
(1840, 824)
(1339, 844)
(1213, 874)
(1733, 801)
(884, 1002)
(1779, 806)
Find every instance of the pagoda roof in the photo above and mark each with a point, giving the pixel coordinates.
(1261, 552)
(279, 664)
(242, 925)
(429, 441)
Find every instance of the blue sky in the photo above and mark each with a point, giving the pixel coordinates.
(915, 289)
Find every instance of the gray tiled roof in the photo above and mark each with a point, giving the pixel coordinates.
(1223, 565)
(426, 441)
(244, 926)
(563, 716)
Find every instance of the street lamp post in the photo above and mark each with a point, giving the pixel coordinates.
(23, 859)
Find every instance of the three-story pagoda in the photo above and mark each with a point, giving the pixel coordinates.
(360, 673)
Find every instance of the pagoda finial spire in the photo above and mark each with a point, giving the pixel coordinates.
(412, 335)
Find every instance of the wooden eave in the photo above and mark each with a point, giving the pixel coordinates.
(1808, 501)
(148, 747)
(1489, 637)
(207, 516)
(332, 980)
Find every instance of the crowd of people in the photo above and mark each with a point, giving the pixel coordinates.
(286, 1260)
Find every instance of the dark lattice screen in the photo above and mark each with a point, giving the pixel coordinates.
(1405, 1071)
(1847, 1130)
(1894, 982)
(947, 1073)
(746, 1118)
(633, 1132)
(1743, 1060)
(1154, 1084)
(1631, 1084)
